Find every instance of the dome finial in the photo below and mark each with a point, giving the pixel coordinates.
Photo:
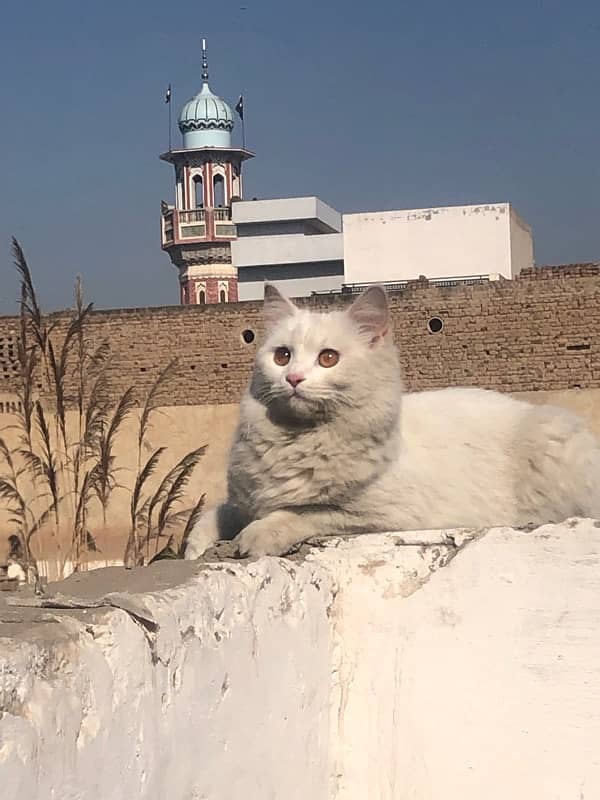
(204, 63)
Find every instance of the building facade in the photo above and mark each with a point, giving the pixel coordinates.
(293, 242)
(304, 246)
(440, 243)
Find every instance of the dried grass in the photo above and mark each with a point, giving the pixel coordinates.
(50, 480)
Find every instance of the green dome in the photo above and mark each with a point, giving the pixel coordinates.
(206, 121)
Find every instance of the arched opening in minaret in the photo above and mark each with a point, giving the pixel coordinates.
(201, 297)
(219, 191)
(222, 296)
(198, 192)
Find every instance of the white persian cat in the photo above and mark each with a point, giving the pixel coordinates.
(328, 444)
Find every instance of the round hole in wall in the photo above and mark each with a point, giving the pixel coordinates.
(435, 325)
(248, 336)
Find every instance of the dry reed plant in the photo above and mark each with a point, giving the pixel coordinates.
(50, 479)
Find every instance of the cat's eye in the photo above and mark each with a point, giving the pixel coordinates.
(282, 356)
(328, 358)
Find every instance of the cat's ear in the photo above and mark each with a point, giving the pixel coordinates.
(371, 314)
(275, 306)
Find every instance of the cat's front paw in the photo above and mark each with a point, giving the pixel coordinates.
(203, 535)
(262, 538)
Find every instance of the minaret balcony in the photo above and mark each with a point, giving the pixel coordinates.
(195, 225)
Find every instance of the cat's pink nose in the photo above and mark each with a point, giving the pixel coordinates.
(294, 379)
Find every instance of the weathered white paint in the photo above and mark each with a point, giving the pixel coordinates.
(461, 664)
(227, 698)
(474, 677)
(436, 242)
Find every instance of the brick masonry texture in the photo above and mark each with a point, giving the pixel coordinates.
(540, 331)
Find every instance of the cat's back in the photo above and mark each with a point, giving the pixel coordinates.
(456, 463)
(471, 456)
(461, 415)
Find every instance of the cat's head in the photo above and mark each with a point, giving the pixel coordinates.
(313, 365)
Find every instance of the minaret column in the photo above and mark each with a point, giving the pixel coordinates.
(198, 237)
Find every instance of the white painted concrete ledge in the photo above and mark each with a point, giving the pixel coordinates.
(429, 666)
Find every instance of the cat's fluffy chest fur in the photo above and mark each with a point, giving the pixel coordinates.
(327, 443)
(272, 467)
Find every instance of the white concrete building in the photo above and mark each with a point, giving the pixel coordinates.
(456, 241)
(305, 246)
(294, 242)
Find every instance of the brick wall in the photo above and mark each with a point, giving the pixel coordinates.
(539, 331)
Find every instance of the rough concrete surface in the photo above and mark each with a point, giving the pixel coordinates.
(210, 685)
(474, 678)
(432, 664)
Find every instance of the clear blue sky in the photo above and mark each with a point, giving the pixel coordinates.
(370, 106)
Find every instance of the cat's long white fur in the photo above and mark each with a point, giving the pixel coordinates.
(346, 451)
